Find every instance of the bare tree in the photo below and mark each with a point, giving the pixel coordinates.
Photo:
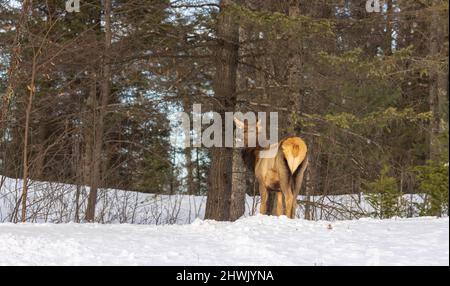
(220, 176)
(100, 121)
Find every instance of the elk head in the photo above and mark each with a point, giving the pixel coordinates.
(249, 132)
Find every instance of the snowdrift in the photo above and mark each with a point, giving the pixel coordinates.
(256, 240)
(57, 203)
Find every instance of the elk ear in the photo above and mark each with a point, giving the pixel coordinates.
(239, 124)
(258, 124)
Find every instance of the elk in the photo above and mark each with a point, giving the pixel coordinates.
(282, 173)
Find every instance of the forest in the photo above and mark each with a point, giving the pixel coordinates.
(87, 99)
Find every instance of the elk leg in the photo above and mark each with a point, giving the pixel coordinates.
(279, 205)
(298, 183)
(264, 197)
(287, 194)
(289, 198)
(285, 183)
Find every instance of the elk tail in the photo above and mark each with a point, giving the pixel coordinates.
(294, 150)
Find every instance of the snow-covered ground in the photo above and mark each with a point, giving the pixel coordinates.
(56, 202)
(148, 229)
(257, 240)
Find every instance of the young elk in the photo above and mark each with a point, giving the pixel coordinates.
(282, 173)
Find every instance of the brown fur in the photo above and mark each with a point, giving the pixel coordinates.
(294, 149)
(280, 173)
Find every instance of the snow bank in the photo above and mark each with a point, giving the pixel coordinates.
(56, 202)
(257, 240)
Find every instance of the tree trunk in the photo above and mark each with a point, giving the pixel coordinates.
(26, 166)
(220, 176)
(438, 99)
(295, 70)
(198, 171)
(219, 191)
(39, 161)
(295, 82)
(100, 121)
(240, 172)
(239, 186)
(190, 171)
(77, 169)
(7, 98)
(14, 64)
(188, 150)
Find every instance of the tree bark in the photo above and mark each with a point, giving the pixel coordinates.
(188, 150)
(438, 99)
(295, 83)
(220, 177)
(31, 89)
(239, 186)
(240, 183)
(100, 121)
(14, 64)
(7, 98)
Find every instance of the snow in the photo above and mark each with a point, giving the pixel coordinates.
(55, 202)
(148, 229)
(256, 240)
